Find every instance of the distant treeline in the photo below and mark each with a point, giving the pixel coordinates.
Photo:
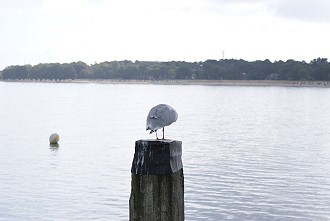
(225, 69)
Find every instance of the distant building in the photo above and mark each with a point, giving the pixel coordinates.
(273, 76)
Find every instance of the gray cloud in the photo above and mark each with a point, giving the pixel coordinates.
(305, 10)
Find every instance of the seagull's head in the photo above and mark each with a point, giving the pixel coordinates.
(149, 128)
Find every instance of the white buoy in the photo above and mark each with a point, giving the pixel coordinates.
(54, 138)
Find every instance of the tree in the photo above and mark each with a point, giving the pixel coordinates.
(16, 72)
(80, 68)
(294, 70)
(183, 72)
(227, 69)
(320, 69)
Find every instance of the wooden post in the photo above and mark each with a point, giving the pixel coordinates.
(157, 181)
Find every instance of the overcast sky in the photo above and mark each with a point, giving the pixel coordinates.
(47, 31)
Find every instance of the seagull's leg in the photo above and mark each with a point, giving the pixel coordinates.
(163, 133)
(156, 135)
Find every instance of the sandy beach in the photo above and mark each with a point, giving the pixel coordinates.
(273, 83)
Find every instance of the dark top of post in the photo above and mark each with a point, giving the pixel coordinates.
(157, 157)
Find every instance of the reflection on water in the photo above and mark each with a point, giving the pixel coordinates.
(249, 153)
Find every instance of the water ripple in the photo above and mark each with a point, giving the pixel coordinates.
(249, 153)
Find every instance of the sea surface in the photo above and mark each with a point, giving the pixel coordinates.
(249, 153)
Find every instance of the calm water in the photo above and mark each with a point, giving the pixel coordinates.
(249, 153)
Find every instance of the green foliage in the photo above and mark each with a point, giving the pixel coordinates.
(228, 69)
(320, 69)
(16, 72)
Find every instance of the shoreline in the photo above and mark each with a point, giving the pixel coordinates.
(272, 83)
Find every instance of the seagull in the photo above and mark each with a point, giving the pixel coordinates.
(160, 116)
